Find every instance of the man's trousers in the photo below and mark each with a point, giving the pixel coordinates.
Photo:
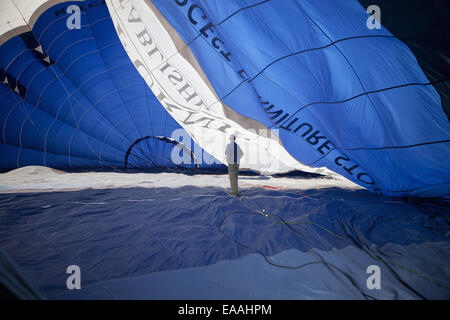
(233, 172)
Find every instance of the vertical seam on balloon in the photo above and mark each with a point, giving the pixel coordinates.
(55, 116)
(68, 97)
(76, 121)
(320, 29)
(87, 54)
(72, 95)
(165, 58)
(112, 80)
(362, 85)
(69, 30)
(33, 61)
(381, 119)
(249, 61)
(298, 59)
(123, 119)
(28, 115)
(79, 89)
(285, 45)
(13, 60)
(12, 91)
(4, 128)
(88, 110)
(142, 157)
(146, 138)
(187, 44)
(144, 84)
(261, 73)
(51, 24)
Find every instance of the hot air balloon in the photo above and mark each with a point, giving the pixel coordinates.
(342, 94)
(71, 98)
(304, 85)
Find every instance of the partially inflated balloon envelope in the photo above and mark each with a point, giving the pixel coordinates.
(342, 94)
(72, 98)
(302, 83)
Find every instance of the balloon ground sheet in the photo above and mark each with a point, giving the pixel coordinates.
(199, 242)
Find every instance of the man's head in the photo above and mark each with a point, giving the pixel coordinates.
(232, 138)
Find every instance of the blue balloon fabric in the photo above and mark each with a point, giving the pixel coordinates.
(343, 96)
(73, 99)
(360, 101)
(202, 243)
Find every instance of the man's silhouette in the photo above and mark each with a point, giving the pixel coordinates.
(234, 154)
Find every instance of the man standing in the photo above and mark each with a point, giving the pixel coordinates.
(234, 154)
